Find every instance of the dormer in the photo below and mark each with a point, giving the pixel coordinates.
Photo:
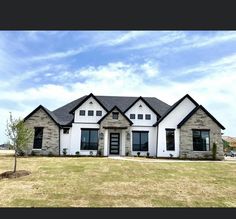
(90, 110)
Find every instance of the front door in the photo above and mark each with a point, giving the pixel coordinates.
(114, 143)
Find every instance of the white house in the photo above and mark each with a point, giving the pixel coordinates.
(124, 126)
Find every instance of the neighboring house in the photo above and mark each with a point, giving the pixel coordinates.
(231, 141)
(5, 146)
(117, 125)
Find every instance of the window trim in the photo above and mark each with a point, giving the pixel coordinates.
(140, 140)
(33, 148)
(170, 129)
(115, 113)
(147, 115)
(84, 129)
(208, 130)
(82, 111)
(131, 114)
(98, 111)
(90, 111)
(140, 115)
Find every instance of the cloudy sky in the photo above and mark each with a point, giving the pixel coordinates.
(53, 68)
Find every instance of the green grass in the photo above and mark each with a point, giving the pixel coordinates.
(103, 182)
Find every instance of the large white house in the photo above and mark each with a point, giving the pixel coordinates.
(124, 126)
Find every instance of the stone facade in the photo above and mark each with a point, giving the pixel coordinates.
(121, 122)
(200, 120)
(50, 143)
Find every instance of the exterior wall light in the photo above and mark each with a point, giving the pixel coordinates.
(128, 136)
(101, 135)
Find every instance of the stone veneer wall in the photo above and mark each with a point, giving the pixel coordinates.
(120, 122)
(200, 120)
(50, 142)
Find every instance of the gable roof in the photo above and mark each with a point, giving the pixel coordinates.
(115, 107)
(174, 106)
(48, 112)
(84, 100)
(142, 99)
(64, 117)
(195, 110)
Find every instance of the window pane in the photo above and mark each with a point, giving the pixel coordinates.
(115, 115)
(82, 112)
(144, 141)
(136, 141)
(170, 140)
(132, 116)
(90, 113)
(98, 113)
(140, 116)
(147, 116)
(85, 139)
(38, 138)
(201, 140)
(93, 140)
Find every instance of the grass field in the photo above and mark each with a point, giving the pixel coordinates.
(103, 182)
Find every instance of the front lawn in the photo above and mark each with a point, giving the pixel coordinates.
(103, 182)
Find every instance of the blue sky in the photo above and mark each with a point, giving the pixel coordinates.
(53, 68)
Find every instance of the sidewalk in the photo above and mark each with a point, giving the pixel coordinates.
(156, 160)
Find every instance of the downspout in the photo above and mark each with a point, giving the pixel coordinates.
(157, 139)
(59, 141)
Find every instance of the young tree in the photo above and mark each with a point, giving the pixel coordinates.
(19, 136)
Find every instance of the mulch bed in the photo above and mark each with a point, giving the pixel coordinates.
(11, 174)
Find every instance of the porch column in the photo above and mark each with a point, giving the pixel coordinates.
(123, 138)
(106, 142)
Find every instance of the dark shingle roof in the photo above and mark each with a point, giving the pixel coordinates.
(64, 117)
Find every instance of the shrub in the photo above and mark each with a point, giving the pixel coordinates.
(91, 153)
(171, 155)
(214, 151)
(148, 154)
(50, 154)
(138, 153)
(21, 153)
(33, 153)
(127, 153)
(64, 151)
(99, 153)
(77, 153)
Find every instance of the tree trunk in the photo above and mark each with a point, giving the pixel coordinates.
(15, 162)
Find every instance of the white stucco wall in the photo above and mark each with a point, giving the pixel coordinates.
(152, 140)
(76, 138)
(65, 141)
(135, 109)
(87, 106)
(171, 121)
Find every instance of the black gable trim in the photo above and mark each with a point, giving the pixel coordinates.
(115, 107)
(45, 110)
(174, 106)
(141, 98)
(85, 99)
(194, 111)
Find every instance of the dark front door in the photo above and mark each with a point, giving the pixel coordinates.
(114, 143)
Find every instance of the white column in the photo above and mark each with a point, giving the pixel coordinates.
(123, 143)
(106, 142)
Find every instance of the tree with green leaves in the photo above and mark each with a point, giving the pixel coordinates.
(19, 136)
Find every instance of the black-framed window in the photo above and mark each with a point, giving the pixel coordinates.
(82, 112)
(38, 138)
(140, 116)
(115, 115)
(201, 140)
(90, 112)
(89, 139)
(170, 139)
(66, 130)
(98, 113)
(148, 116)
(140, 140)
(132, 116)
